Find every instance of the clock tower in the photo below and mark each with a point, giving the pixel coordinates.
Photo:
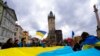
(51, 26)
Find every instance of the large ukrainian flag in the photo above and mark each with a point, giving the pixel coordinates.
(26, 51)
(40, 33)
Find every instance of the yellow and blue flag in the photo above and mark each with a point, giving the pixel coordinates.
(40, 33)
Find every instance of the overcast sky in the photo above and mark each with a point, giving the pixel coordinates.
(71, 15)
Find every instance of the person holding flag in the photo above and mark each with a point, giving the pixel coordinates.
(41, 34)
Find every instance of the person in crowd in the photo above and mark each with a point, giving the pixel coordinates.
(97, 45)
(8, 44)
(88, 41)
(65, 42)
(0, 44)
(77, 47)
(76, 43)
(70, 42)
(29, 43)
(37, 42)
(33, 43)
(84, 35)
(43, 44)
(22, 43)
(16, 43)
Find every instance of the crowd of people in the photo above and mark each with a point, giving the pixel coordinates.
(16, 43)
(77, 43)
(85, 41)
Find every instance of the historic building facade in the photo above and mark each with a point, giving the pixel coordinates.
(7, 22)
(18, 32)
(25, 35)
(59, 37)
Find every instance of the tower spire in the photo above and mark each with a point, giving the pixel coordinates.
(97, 16)
(51, 14)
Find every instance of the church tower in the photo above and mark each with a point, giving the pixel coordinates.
(51, 26)
(98, 21)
